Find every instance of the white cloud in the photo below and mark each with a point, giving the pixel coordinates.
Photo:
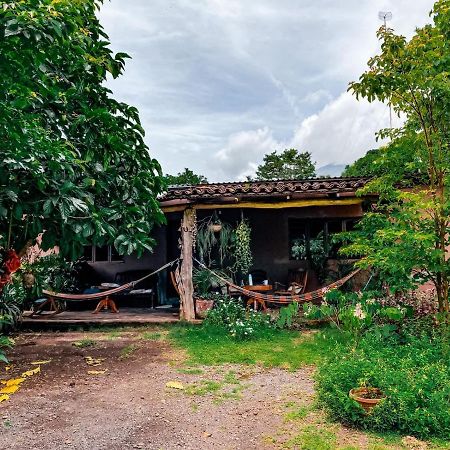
(342, 131)
(243, 152)
(338, 134)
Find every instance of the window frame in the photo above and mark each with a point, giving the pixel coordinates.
(93, 257)
(307, 234)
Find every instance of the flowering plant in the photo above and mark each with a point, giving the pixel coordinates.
(228, 313)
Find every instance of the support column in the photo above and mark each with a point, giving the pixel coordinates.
(188, 231)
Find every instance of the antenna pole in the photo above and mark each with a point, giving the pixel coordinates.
(385, 16)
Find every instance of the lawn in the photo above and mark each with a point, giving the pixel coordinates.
(275, 348)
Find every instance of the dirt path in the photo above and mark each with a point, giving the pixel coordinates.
(130, 406)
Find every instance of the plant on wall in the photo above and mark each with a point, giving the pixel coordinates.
(242, 251)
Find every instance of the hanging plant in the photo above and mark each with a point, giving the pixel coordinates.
(214, 236)
(242, 253)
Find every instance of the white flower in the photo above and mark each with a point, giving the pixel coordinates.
(359, 313)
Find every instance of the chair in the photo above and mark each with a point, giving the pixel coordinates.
(297, 281)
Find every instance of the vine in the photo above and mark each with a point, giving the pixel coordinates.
(242, 251)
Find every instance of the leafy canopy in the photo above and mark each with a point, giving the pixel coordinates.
(398, 156)
(288, 165)
(74, 164)
(406, 235)
(187, 177)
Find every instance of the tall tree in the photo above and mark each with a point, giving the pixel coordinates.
(74, 164)
(399, 156)
(187, 177)
(406, 236)
(288, 165)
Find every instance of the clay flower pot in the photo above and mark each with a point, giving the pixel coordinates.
(202, 306)
(367, 397)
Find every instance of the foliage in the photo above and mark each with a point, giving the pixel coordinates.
(315, 250)
(287, 315)
(412, 372)
(53, 272)
(74, 163)
(185, 178)
(354, 313)
(12, 298)
(242, 247)
(408, 231)
(214, 246)
(239, 323)
(5, 343)
(206, 282)
(400, 156)
(289, 165)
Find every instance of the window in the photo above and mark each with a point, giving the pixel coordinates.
(106, 253)
(302, 231)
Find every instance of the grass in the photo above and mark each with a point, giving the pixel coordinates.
(151, 336)
(85, 343)
(203, 387)
(313, 438)
(191, 371)
(298, 413)
(127, 351)
(276, 348)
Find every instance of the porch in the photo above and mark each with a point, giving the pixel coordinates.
(127, 316)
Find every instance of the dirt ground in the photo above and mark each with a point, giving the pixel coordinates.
(129, 406)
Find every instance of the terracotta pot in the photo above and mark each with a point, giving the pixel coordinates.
(359, 395)
(202, 306)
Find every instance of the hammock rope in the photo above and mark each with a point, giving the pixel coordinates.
(109, 292)
(283, 299)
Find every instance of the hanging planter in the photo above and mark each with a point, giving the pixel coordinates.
(367, 397)
(215, 227)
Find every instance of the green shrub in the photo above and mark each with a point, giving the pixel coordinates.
(5, 343)
(411, 368)
(229, 314)
(287, 315)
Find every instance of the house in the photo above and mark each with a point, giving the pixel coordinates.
(279, 213)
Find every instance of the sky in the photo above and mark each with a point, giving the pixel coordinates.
(221, 83)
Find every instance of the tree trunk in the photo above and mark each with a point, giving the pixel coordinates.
(188, 229)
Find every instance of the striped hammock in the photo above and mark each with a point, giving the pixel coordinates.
(262, 299)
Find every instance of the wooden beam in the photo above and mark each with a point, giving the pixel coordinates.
(188, 230)
(266, 205)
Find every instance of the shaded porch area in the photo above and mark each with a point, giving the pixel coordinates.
(125, 317)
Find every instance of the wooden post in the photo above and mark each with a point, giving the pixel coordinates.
(188, 230)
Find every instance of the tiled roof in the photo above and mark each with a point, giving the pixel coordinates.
(264, 189)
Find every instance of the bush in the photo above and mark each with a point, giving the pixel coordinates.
(412, 370)
(231, 315)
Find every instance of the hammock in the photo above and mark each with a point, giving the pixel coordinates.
(104, 302)
(262, 299)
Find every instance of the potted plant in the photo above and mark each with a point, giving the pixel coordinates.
(367, 397)
(205, 285)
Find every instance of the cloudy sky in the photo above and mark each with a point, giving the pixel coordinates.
(220, 83)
